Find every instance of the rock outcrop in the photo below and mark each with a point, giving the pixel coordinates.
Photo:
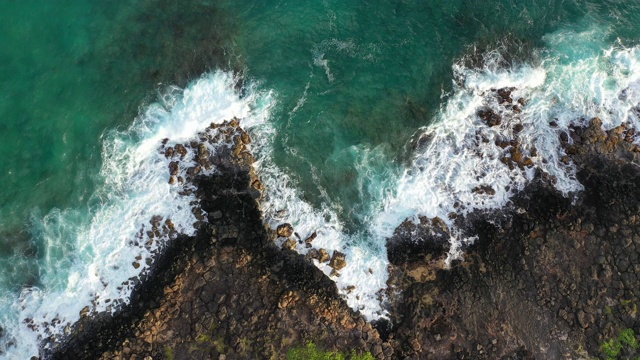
(227, 292)
(548, 279)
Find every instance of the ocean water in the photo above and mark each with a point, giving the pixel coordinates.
(362, 114)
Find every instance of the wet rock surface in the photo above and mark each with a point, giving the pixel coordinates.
(547, 279)
(228, 292)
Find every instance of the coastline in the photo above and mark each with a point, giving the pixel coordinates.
(549, 282)
(228, 290)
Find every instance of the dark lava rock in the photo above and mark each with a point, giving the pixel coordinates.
(490, 117)
(547, 278)
(554, 279)
(227, 292)
(411, 241)
(504, 95)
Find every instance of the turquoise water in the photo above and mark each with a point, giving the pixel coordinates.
(71, 71)
(352, 84)
(371, 73)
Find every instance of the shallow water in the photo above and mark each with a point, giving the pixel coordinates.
(337, 93)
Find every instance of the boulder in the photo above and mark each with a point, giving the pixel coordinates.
(310, 239)
(484, 189)
(180, 149)
(203, 152)
(284, 230)
(323, 256)
(173, 168)
(504, 95)
(290, 244)
(490, 117)
(168, 152)
(338, 260)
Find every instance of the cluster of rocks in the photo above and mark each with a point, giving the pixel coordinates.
(337, 261)
(228, 292)
(549, 279)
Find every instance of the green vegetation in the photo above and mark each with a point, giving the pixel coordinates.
(208, 340)
(168, 352)
(626, 341)
(311, 352)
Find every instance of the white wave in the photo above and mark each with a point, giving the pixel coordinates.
(136, 188)
(575, 80)
(366, 272)
(462, 155)
(569, 87)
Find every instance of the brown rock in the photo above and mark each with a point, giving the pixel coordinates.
(290, 244)
(180, 149)
(258, 185)
(323, 255)
(310, 239)
(245, 138)
(484, 189)
(193, 171)
(168, 152)
(203, 152)
(518, 128)
(338, 260)
(284, 230)
(504, 95)
(490, 117)
(247, 157)
(174, 168)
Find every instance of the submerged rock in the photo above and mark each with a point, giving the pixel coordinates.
(490, 117)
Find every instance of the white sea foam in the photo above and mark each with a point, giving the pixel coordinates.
(99, 263)
(461, 154)
(574, 80)
(570, 86)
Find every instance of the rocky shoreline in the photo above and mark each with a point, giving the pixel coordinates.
(546, 278)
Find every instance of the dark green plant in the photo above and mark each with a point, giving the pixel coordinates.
(626, 340)
(311, 352)
(168, 351)
(628, 337)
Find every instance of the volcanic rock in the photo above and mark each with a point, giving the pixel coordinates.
(284, 230)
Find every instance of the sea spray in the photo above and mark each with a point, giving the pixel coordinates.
(459, 158)
(462, 163)
(465, 163)
(116, 242)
